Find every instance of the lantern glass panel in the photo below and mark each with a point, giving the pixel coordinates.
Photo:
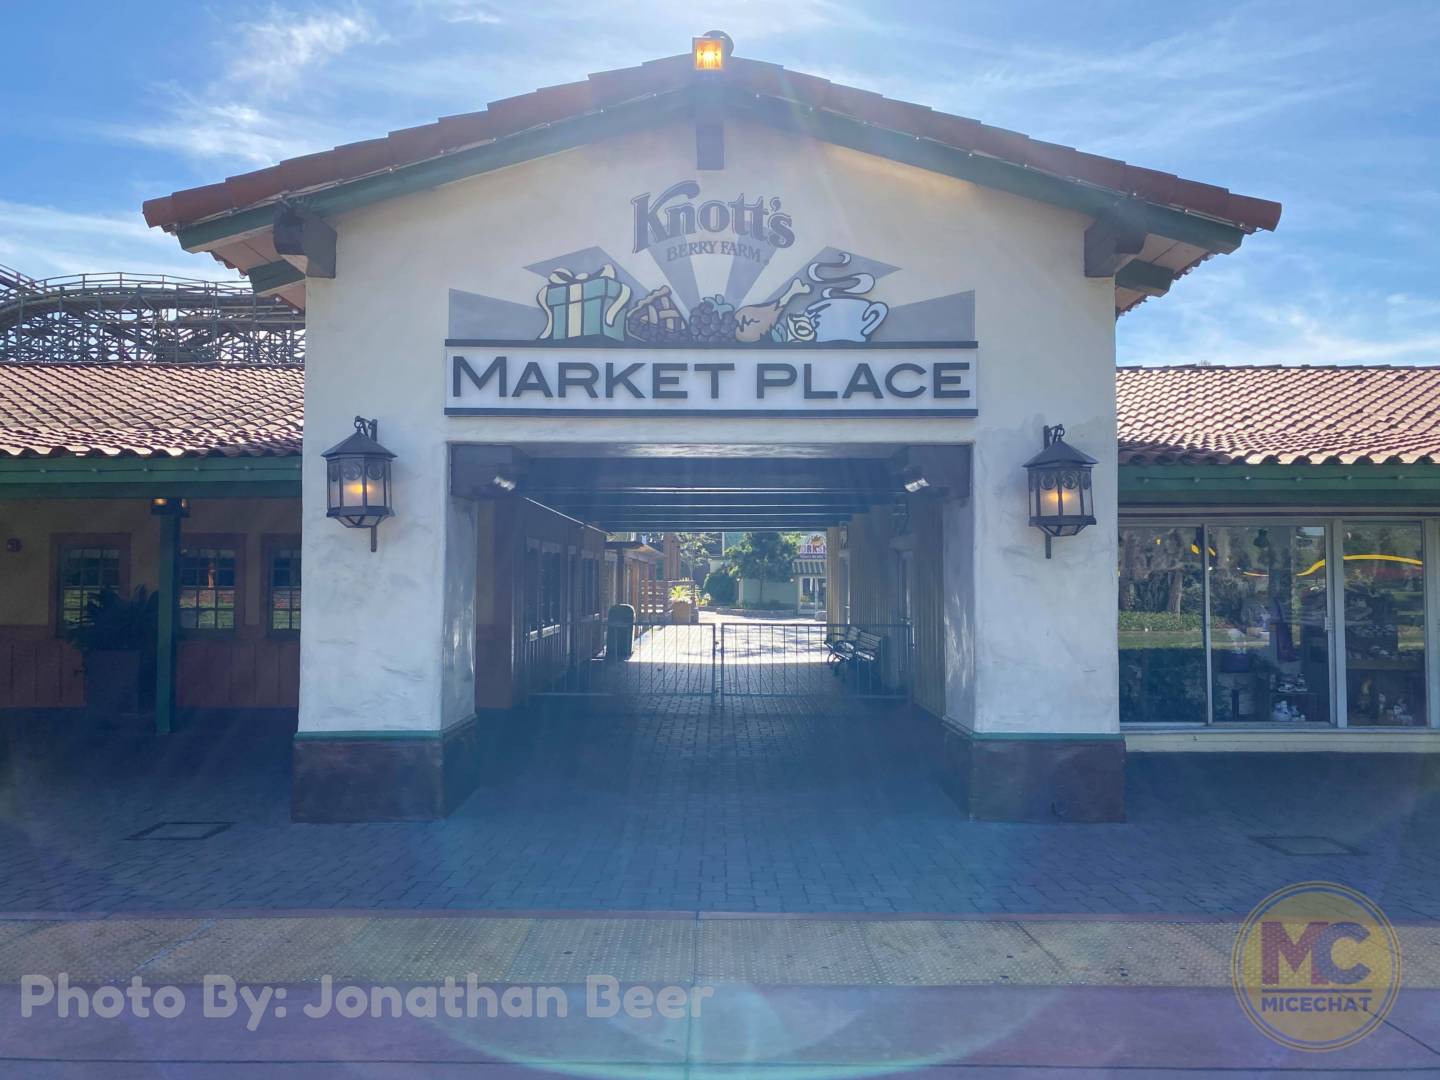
(352, 472)
(1061, 499)
(376, 475)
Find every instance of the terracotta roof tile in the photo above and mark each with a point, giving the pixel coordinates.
(1283, 415)
(165, 410)
(1166, 415)
(362, 158)
(464, 129)
(509, 116)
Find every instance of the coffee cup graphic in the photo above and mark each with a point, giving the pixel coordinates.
(846, 318)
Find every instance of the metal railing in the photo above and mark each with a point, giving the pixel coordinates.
(588, 658)
(815, 661)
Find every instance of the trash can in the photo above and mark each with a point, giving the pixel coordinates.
(619, 632)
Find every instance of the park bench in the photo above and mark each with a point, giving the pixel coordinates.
(841, 644)
(865, 653)
(857, 649)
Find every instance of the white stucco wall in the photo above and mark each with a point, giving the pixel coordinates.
(378, 629)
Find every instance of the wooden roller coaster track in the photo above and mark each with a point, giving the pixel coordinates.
(144, 318)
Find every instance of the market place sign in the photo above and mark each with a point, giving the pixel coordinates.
(544, 379)
(824, 340)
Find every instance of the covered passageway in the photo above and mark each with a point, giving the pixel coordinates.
(546, 600)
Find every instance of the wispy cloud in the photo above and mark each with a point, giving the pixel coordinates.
(463, 11)
(1131, 99)
(225, 131)
(45, 241)
(1327, 107)
(274, 54)
(1256, 313)
(242, 115)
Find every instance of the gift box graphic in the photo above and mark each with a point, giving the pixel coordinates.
(584, 306)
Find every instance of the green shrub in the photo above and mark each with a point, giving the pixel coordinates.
(1160, 620)
(722, 587)
(115, 622)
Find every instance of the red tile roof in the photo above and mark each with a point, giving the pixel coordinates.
(1166, 415)
(1281, 415)
(164, 410)
(554, 103)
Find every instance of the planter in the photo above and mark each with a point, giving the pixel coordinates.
(112, 680)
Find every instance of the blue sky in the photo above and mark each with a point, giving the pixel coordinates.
(1332, 109)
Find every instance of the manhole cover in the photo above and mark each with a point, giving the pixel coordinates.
(1305, 845)
(182, 830)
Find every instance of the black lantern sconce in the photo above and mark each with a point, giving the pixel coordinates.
(357, 479)
(1061, 499)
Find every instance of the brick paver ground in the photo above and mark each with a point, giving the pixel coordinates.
(766, 805)
(819, 996)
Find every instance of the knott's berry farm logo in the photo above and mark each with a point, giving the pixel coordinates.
(736, 227)
(1316, 966)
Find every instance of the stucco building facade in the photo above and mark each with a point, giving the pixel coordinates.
(666, 298)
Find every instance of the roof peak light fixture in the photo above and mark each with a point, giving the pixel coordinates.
(710, 53)
(357, 479)
(1061, 498)
(711, 50)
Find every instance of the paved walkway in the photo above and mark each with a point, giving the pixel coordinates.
(765, 807)
(794, 997)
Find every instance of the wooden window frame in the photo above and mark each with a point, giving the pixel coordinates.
(58, 543)
(213, 540)
(270, 543)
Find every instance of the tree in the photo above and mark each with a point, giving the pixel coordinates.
(720, 586)
(764, 556)
(695, 551)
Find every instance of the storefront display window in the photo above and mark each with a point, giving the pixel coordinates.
(1384, 624)
(1162, 631)
(1269, 642)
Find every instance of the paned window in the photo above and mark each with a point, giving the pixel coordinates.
(85, 573)
(285, 590)
(207, 588)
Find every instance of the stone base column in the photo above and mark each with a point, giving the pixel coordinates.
(1036, 778)
(384, 776)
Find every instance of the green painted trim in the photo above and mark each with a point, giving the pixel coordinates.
(1358, 473)
(134, 477)
(426, 735)
(1318, 499)
(207, 233)
(169, 585)
(1042, 736)
(12, 492)
(1279, 485)
(231, 467)
(353, 736)
(272, 277)
(768, 110)
(1144, 277)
